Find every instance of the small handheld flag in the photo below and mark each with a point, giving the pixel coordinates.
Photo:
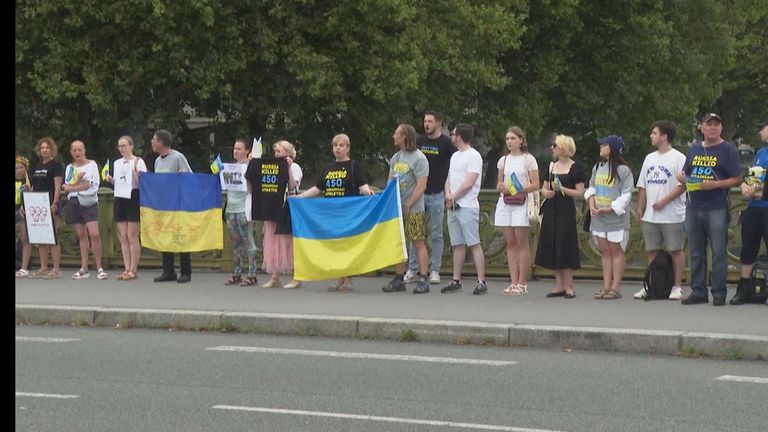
(71, 176)
(105, 171)
(513, 184)
(257, 150)
(217, 165)
(693, 183)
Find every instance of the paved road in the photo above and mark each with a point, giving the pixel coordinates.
(89, 379)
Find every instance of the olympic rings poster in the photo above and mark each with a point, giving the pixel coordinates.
(37, 213)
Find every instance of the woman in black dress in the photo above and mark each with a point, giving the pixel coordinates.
(558, 247)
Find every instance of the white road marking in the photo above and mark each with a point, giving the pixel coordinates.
(46, 395)
(362, 355)
(441, 423)
(737, 378)
(42, 339)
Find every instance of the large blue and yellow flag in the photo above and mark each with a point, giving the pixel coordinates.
(180, 212)
(336, 237)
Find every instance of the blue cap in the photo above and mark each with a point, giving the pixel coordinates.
(616, 142)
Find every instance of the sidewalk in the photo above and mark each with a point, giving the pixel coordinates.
(625, 325)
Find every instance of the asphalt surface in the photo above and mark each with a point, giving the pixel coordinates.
(90, 379)
(629, 325)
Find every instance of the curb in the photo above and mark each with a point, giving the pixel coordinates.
(635, 341)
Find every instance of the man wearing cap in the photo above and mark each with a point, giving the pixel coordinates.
(754, 220)
(660, 204)
(711, 169)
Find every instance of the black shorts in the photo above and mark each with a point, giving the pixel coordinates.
(127, 209)
(754, 227)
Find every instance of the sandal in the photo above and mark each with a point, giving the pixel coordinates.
(556, 294)
(53, 274)
(272, 283)
(129, 275)
(336, 286)
(121, 276)
(601, 293)
(292, 284)
(611, 295)
(38, 274)
(346, 287)
(570, 295)
(249, 281)
(80, 274)
(234, 280)
(509, 290)
(21, 273)
(101, 274)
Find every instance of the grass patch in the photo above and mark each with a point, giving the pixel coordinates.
(732, 353)
(488, 340)
(407, 335)
(691, 352)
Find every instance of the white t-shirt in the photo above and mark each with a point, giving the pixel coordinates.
(658, 178)
(520, 164)
(123, 171)
(297, 174)
(462, 163)
(92, 175)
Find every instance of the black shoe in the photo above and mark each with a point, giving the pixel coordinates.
(166, 277)
(480, 289)
(695, 299)
(556, 294)
(184, 278)
(718, 301)
(395, 285)
(742, 292)
(422, 287)
(452, 287)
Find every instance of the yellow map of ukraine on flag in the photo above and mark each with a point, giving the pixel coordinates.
(180, 212)
(336, 237)
(514, 185)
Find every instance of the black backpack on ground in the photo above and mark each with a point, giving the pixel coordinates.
(659, 277)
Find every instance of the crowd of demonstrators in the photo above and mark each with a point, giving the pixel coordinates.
(239, 227)
(438, 149)
(126, 205)
(461, 191)
(512, 211)
(344, 177)
(558, 247)
(278, 241)
(82, 210)
(754, 220)
(411, 168)
(711, 169)
(609, 194)
(22, 185)
(661, 204)
(678, 196)
(171, 161)
(48, 176)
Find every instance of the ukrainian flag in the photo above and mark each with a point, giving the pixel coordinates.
(180, 212)
(514, 185)
(336, 237)
(71, 175)
(217, 165)
(105, 171)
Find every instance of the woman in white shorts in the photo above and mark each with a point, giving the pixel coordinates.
(512, 211)
(608, 195)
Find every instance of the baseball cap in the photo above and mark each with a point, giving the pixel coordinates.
(710, 116)
(762, 124)
(616, 143)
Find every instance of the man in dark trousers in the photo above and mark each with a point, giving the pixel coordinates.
(171, 161)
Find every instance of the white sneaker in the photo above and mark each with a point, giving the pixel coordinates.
(434, 277)
(676, 293)
(410, 277)
(81, 274)
(640, 294)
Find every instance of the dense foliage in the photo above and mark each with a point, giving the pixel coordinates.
(307, 69)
